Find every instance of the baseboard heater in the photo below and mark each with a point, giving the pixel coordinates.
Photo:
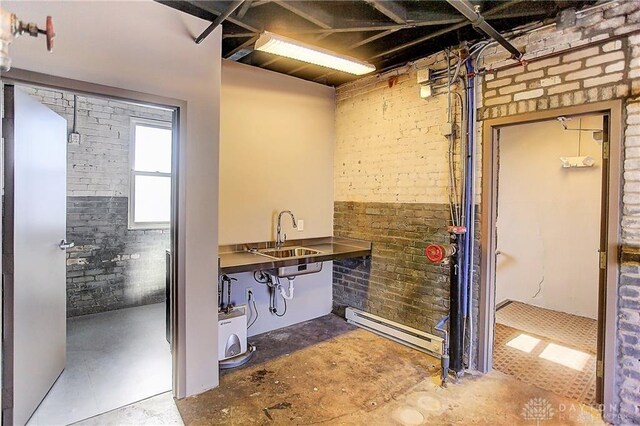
(407, 336)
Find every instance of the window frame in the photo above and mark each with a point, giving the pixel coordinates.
(147, 122)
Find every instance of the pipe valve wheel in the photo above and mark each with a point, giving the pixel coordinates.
(437, 253)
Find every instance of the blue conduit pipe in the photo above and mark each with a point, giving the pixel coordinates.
(461, 275)
(468, 193)
(469, 201)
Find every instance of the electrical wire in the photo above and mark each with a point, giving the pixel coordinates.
(255, 308)
(264, 278)
(273, 308)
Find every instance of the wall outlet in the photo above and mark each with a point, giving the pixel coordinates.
(246, 293)
(300, 225)
(74, 138)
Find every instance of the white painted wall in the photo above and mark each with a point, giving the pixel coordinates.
(313, 298)
(549, 218)
(276, 153)
(148, 47)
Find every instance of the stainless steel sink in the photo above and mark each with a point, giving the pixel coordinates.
(292, 253)
(286, 253)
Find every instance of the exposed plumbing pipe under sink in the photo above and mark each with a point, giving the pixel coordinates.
(283, 293)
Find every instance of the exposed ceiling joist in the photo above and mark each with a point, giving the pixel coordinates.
(374, 27)
(238, 35)
(221, 17)
(418, 24)
(462, 23)
(257, 3)
(306, 10)
(391, 9)
(213, 7)
(242, 50)
(430, 36)
(243, 9)
(372, 38)
(361, 28)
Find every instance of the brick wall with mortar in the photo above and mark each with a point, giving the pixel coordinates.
(391, 283)
(111, 266)
(391, 188)
(610, 69)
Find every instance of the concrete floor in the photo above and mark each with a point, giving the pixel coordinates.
(157, 410)
(113, 359)
(327, 371)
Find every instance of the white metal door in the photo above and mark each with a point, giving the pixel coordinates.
(34, 290)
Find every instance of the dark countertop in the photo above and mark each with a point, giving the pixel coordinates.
(237, 258)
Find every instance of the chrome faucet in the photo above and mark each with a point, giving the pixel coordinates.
(279, 239)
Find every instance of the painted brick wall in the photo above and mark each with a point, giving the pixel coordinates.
(398, 282)
(111, 266)
(608, 70)
(391, 188)
(389, 142)
(371, 143)
(629, 335)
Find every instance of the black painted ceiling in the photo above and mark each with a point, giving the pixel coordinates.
(387, 33)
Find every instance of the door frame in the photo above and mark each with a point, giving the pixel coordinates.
(178, 187)
(612, 181)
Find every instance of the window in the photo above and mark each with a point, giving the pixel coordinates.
(150, 197)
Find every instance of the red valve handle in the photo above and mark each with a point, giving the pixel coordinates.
(50, 34)
(434, 253)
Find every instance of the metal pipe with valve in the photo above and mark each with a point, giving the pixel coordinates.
(11, 27)
(453, 335)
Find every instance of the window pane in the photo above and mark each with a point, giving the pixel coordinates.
(152, 199)
(152, 149)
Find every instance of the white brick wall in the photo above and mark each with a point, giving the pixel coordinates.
(631, 200)
(99, 165)
(389, 142)
(366, 129)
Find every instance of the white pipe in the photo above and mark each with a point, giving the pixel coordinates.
(283, 293)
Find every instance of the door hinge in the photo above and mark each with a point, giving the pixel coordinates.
(603, 260)
(605, 150)
(599, 369)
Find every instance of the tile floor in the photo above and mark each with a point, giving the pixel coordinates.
(113, 359)
(553, 350)
(576, 331)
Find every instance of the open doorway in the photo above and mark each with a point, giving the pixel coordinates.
(547, 277)
(117, 226)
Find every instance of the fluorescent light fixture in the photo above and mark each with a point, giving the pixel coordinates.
(284, 46)
(523, 343)
(568, 357)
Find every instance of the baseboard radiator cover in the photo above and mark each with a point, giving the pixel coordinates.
(400, 333)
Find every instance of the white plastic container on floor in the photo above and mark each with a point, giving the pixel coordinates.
(232, 333)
